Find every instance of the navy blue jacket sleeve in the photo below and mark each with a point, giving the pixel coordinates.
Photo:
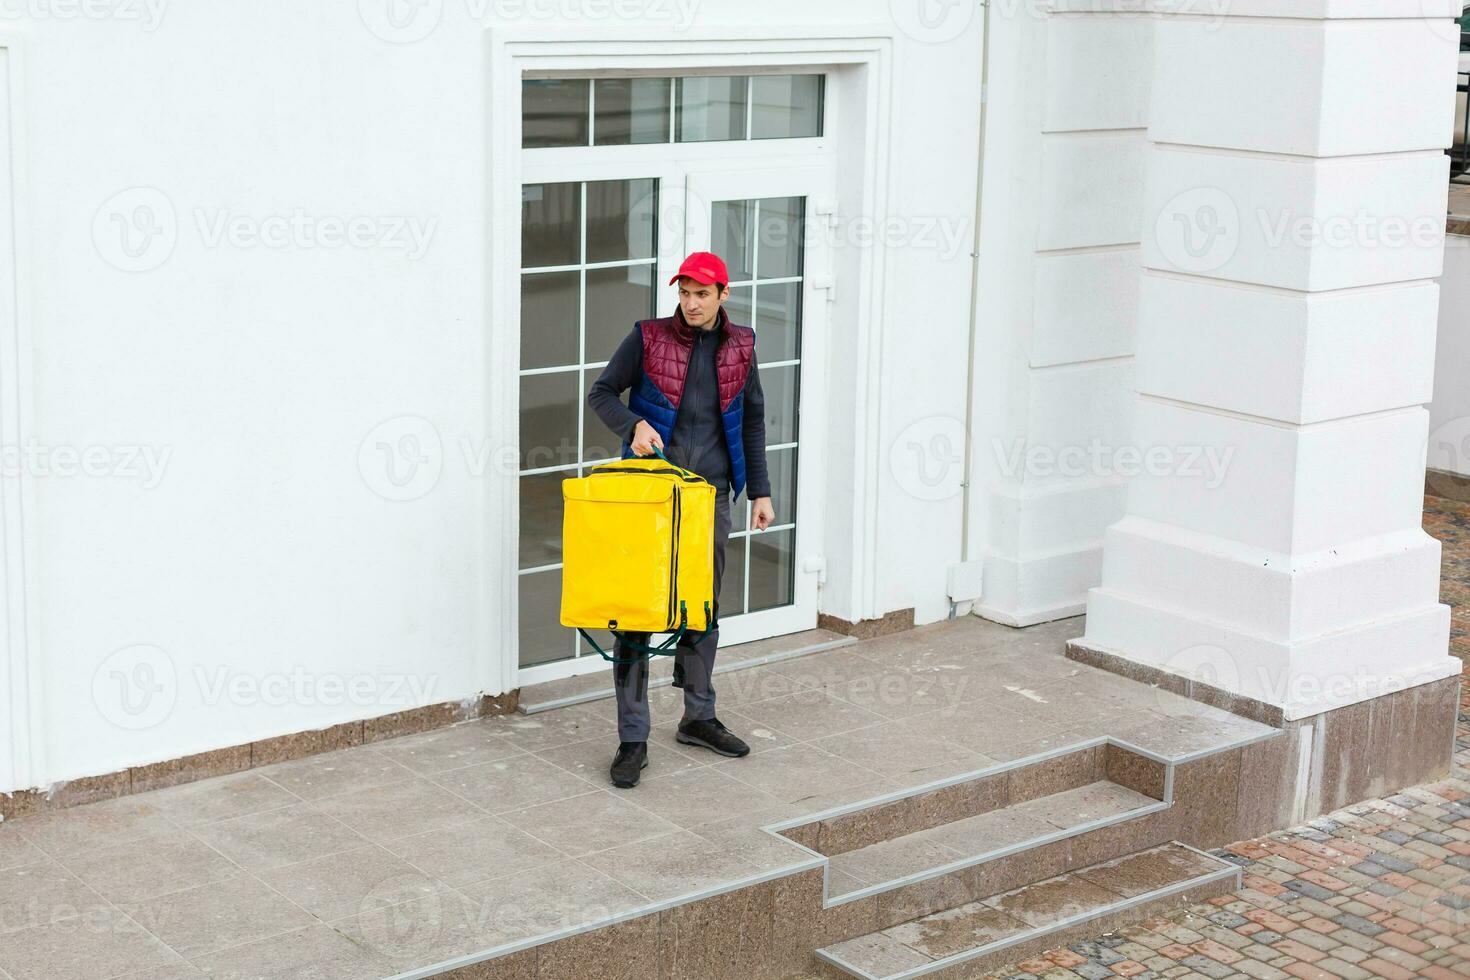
(621, 373)
(757, 476)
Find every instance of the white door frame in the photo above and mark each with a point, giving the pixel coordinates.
(22, 734)
(533, 50)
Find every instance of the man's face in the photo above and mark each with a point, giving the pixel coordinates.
(700, 302)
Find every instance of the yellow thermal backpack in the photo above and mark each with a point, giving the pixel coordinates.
(638, 552)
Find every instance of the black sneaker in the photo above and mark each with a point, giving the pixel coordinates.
(713, 735)
(628, 764)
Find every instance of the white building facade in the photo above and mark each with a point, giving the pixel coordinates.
(306, 304)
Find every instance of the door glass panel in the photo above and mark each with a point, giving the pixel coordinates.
(573, 320)
(778, 231)
(542, 637)
(777, 337)
(548, 419)
(617, 298)
(599, 443)
(631, 110)
(732, 579)
(779, 387)
(554, 112)
(738, 308)
(772, 562)
(550, 302)
(551, 230)
(541, 512)
(786, 106)
(732, 237)
(711, 108)
(620, 220)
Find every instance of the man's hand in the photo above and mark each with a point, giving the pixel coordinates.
(762, 514)
(645, 439)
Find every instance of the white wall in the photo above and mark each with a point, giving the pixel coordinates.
(1449, 414)
(268, 381)
(1058, 297)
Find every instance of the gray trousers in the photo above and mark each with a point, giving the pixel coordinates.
(694, 663)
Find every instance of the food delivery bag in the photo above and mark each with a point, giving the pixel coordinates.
(638, 549)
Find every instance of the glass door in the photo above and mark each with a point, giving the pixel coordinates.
(767, 227)
(597, 256)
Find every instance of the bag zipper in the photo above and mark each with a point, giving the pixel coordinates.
(674, 562)
(686, 479)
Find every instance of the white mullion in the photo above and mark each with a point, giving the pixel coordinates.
(779, 281)
(774, 527)
(613, 264)
(556, 369)
(673, 106)
(540, 568)
(749, 106)
(591, 112)
(793, 362)
(544, 470)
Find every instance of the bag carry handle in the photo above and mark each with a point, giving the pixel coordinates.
(664, 649)
(660, 454)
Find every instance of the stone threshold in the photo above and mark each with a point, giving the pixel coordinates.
(597, 686)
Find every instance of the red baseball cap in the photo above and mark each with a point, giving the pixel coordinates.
(705, 267)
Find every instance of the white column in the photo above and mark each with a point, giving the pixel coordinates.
(1293, 230)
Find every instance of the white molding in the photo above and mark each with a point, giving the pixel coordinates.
(21, 691)
(512, 50)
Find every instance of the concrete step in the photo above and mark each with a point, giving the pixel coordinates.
(966, 940)
(1013, 829)
(958, 840)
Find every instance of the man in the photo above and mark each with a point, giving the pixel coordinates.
(696, 394)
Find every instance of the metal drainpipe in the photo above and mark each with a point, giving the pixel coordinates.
(974, 293)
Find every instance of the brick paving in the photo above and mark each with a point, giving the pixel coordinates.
(1379, 889)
